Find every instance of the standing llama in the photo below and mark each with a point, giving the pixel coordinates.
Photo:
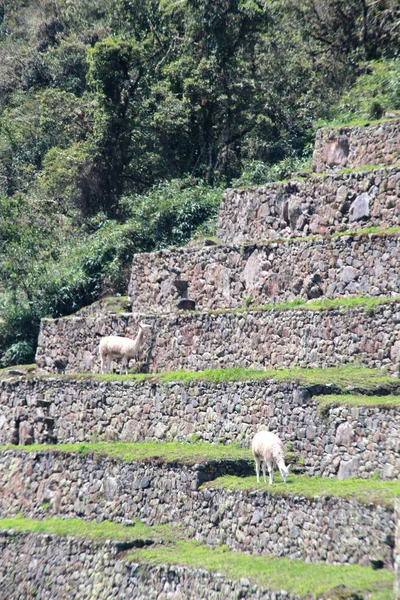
(268, 448)
(114, 346)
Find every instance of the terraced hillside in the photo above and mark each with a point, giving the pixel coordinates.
(143, 485)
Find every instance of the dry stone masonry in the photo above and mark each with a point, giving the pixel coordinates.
(233, 276)
(55, 566)
(336, 442)
(355, 147)
(256, 264)
(317, 205)
(198, 341)
(330, 529)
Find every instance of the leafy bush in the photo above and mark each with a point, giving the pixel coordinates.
(61, 271)
(172, 212)
(376, 90)
(257, 173)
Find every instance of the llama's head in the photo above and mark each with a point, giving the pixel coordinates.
(284, 472)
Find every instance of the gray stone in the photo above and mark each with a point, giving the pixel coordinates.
(395, 352)
(349, 274)
(145, 482)
(344, 435)
(359, 209)
(348, 468)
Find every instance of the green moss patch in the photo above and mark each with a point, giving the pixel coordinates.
(368, 491)
(267, 571)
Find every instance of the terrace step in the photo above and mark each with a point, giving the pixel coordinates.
(98, 568)
(321, 204)
(239, 275)
(356, 146)
(304, 337)
(321, 526)
(327, 435)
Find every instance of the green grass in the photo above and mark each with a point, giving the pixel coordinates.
(327, 304)
(373, 231)
(371, 490)
(388, 401)
(183, 453)
(346, 377)
(106, 530)
(267, 571)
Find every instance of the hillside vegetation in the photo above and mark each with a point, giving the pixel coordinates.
(121, 122)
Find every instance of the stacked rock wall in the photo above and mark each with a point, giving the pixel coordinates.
(230, 276)
(57, 567)
(199, 341)
(353, 147)
(397, 553)
(312, 529)
(317, 205)
(339, 441)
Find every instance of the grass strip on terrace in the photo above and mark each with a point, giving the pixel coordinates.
(273, 573)
(79, 528)
(162, 452)
(375, 491)
(345, 377)
(267, 571)
(388, 401)
(366, 302)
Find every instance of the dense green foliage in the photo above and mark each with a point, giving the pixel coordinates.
(122, 120)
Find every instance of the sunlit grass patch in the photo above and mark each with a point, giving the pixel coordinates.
(274, 573)
(171, 547)
(371, 490)
(163, 452)
(343, 377)
(388, 401)
(106, 530)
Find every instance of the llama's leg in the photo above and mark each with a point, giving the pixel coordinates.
(256, 458)
(263, 470)
(108, 364)
(124, 365)
(270, 471)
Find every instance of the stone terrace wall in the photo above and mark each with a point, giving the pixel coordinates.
(318, 205)
(227, 276)
(47, 566)
(198, 341)
(354, 147)
(397, 553)
(331, 529)
(342, 441)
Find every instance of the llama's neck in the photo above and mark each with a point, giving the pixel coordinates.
(139, 337)
(280, 461)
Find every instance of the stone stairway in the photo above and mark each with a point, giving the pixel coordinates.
(283, 247)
